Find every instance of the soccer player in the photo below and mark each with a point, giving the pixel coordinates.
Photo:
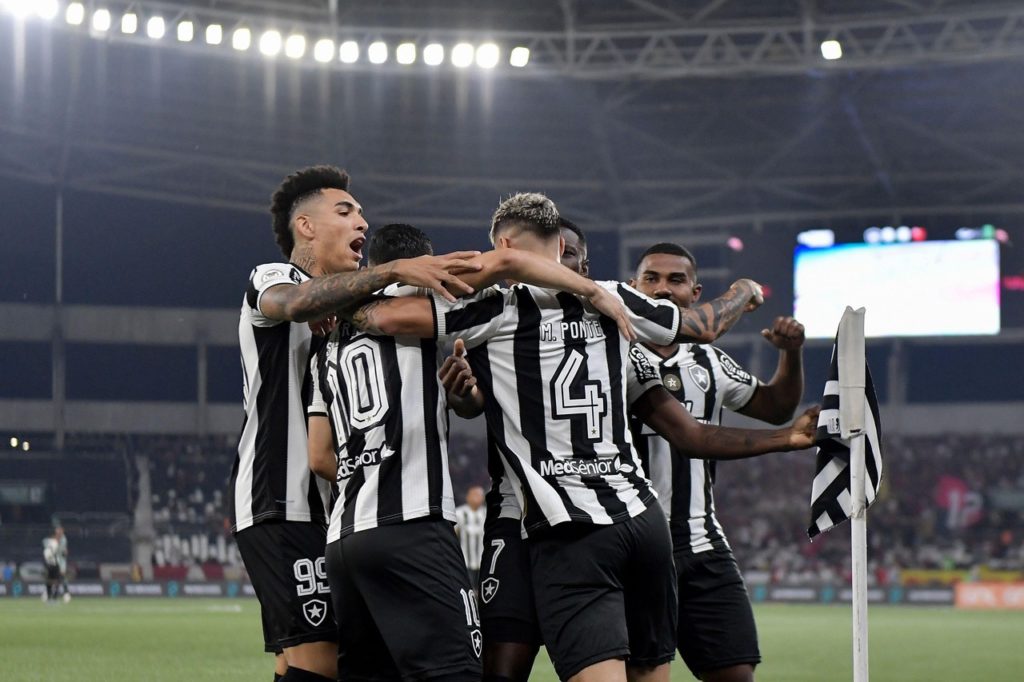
(469, 524)
(278, 510)
(554, 373)
(55, 558)
(511, 635)
(717, 634)
(395, 568)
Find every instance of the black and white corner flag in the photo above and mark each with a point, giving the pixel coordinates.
(831, 500)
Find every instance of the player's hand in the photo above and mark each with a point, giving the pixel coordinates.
(785, 334)
(801, 433)
(752, 290)
(438, 272)
(609, 306)
(325, 326)
(456, 374)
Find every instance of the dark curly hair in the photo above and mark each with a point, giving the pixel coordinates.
(296, 188)
(670, 249)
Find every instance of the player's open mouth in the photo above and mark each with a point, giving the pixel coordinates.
(357, 247)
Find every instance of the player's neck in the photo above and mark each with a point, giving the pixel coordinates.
(304, 257)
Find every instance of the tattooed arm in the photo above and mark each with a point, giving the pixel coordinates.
(321, 296)
(402, 316)
(663, 413)
(705, 322)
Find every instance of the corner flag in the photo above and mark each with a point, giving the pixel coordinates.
(831, 496)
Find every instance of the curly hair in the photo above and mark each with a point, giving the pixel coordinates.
(529, 211)
(293, 190)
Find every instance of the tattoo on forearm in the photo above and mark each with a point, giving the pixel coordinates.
(365, 318)
(335, 292)
(714, 318)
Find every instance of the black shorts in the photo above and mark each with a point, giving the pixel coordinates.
(285, 562)
(716, 622)
(507, 613)
(52, 573)
(606, 592)
(408, 612)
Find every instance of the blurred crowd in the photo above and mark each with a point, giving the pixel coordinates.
(948, 502)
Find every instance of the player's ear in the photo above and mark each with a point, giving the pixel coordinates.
(503, 243)
(697, 288)
(561, 245)
(303, 226)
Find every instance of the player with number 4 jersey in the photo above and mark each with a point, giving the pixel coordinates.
(554, 370)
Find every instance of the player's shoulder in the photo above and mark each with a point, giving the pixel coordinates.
(269, 274)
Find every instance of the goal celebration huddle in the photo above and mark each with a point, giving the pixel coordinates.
(602, 402)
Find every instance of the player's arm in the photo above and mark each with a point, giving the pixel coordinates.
(775, 401)
(663, 413)
(521, 266)
(322, 461)
(706, 322)
(400, 316)
(321, 296)
(464, 396)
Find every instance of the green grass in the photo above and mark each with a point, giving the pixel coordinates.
(171, 640)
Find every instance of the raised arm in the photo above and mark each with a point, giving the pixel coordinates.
(775, 401)
(528, 268)
(705, 322)
(663, 413)
(321, 296)
(402, 316)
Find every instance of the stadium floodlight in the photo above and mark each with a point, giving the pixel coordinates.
(214, 34)
(462, 55)
(75, 13)
(519, 57)
(487, 56)
(377, 52)
(348, 52)
(405, 53)
(14, 442)
(19, 8)
(831, 50)
(186, 31)
(129, 23)
(25, 446)
(47, 9)
(433, 54)
(270, 43)
(155, 28)
(101, 20)
(323, 51)
(241, 39)
(295, 46)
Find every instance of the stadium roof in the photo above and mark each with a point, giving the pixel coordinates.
(638, 115)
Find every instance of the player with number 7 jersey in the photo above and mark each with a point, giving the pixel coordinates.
(554, 370)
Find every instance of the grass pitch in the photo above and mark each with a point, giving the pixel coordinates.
(169, 640)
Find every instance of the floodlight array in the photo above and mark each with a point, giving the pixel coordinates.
(165, 24)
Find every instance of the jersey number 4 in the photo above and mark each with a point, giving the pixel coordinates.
(572, 397)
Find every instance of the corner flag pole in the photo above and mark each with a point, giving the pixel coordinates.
(851, 422)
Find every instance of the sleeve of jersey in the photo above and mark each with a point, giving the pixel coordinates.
(474, 319)
(641, 375)
(655, 320)
(317, 406)
(739, 384)
(262, 278)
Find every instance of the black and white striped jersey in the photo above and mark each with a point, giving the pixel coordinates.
(389, 418)
(554, 371)
(470, 524)
(270, 479)
(706, 381)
